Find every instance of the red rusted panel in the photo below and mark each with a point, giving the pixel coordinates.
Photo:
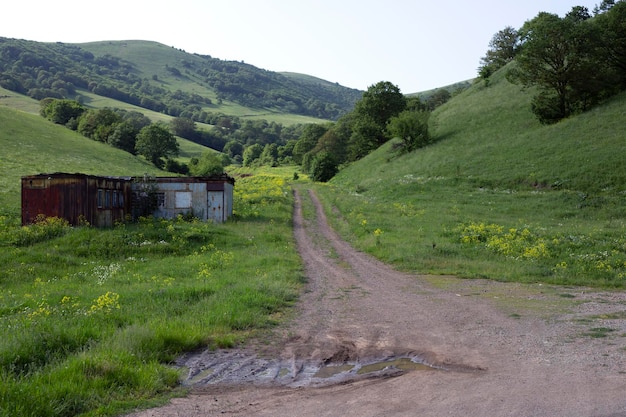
(74, 197)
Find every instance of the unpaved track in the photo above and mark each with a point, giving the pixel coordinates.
(496, 349)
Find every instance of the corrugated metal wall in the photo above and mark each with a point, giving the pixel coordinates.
(78, 198)
(104, 201)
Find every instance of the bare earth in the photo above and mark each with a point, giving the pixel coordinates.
(370, 341)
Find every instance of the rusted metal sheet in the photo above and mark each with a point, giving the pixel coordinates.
(103, 201)
(77, 198)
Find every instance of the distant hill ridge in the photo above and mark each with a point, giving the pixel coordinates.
(164, 79)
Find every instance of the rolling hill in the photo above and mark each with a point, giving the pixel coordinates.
(497, 195)
(30, 145)
(487, 136)
(166, 80)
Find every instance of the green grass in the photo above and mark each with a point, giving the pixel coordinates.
(91, 318)
(18, 101)
(149, 56)
(31, 145)
(497, 196)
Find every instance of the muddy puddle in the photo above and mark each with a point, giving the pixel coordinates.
(235, 367)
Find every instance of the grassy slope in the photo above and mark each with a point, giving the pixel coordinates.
(489, 136)
(31, 145)
(150, 58)
(26, 104)
(494, 164)
(91, 317)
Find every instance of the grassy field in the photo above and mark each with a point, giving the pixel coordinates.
(497, 196)
(91, 319)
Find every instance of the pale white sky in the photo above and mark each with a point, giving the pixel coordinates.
(415, 44)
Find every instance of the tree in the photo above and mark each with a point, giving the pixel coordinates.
(97, 124)
(183, 127)
(604, 6)
(251, 154)
(365, 138)
(502, 49)
(381, 102)
(308, 139)
(269, 156)
(124, 136)
(209, 164)
(285, 152)
(61, 111)
(412, 129)
(559, 56)
(323, 167)
(136, 119)
(156, 142)
(612, 25)
(233, 149)
(334, 144)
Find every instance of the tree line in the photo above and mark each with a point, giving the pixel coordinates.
(381, 114)
(133, 132)
(574, 62)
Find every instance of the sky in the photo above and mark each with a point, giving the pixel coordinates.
(416, 45)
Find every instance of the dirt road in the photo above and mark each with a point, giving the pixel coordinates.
(370, 341)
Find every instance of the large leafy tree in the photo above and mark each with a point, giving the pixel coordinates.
(124, 136)
(411, 127)
(559, 56)
(366, 137)
(233, 149)
(333, 143)
(502, 49)
(323, 167)
(379, 103)
(251, 154)
(612, 24)
(61, 111)
(269, 156)
(98, 124)
(156, 142)
(308, 139)
(183, 127)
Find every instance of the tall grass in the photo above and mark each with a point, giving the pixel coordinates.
(91, 319)
(497, 196)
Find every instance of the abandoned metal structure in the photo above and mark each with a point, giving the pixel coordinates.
(103, 201)
(206, 198)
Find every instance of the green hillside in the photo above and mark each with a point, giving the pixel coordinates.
(498, 195)
(30, 145)
(489, 137)
(167, 80)
(92, 319)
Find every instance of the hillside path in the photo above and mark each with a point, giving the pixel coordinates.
(371, 341)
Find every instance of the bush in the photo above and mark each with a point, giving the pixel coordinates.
(323, 167)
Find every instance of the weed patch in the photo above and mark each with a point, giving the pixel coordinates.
(91, 318)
